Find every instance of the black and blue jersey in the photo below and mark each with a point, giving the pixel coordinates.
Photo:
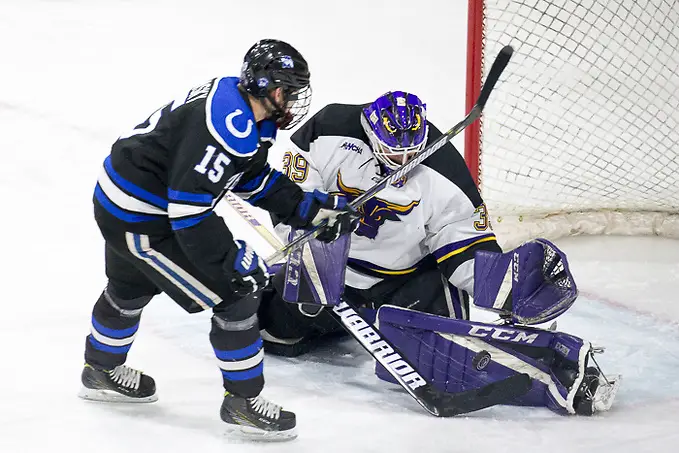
(166, 175)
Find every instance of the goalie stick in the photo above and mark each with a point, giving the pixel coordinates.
(434, 401)
(496, 70)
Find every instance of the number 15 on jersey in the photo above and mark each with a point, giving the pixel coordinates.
(216, 171)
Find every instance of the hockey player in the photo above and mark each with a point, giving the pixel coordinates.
(422, 246)
(154, 205)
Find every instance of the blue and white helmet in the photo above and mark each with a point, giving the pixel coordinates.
(396, 124)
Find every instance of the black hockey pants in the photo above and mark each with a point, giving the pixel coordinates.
(140, 266)
(302, 327)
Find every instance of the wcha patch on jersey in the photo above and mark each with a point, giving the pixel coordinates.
(375, 211)
(351, 146)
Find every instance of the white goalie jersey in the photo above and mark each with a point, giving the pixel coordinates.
(433, 216)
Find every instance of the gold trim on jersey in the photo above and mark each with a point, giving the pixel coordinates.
(462, 249)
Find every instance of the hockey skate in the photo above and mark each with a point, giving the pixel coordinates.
(596, 392)
(592, 391)
(119, 385)
(257, 419)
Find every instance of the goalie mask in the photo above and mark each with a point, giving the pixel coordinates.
(271, 64)
(396, 125)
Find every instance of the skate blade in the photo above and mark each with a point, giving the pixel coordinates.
(109, 396)
(250, 433)
(605, 394)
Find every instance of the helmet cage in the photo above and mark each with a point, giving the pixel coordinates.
(295, 106)
(271, 64)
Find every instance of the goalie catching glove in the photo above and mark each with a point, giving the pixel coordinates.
(531, 284)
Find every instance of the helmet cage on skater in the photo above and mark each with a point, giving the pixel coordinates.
(271, 64)
(396, 124)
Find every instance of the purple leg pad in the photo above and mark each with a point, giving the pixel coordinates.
(457, 355)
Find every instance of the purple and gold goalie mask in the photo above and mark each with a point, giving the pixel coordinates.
(396, 124)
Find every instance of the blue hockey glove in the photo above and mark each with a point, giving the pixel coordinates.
(249, 272)
(318, 205)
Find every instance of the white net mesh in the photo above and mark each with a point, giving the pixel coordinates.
(581, 134)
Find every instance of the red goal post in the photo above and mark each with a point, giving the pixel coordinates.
(581, 135)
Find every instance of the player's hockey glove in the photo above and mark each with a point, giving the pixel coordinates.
(249, 272)
(318, 205)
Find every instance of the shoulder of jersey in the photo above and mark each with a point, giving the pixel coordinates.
(341, 120)
(449, 163)
(231, 122)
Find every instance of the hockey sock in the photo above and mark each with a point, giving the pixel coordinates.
(237, 344)
(114, 326)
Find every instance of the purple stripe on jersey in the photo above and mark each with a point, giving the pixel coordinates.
(446, 249)
(374, 267)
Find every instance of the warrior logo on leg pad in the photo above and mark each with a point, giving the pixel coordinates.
(384, 353)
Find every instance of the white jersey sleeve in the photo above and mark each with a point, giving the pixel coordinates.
(458, 225)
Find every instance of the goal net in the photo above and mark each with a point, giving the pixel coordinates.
(581, 134)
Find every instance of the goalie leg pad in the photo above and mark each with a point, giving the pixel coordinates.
(315, 272)
(294, 329)
(457, 355)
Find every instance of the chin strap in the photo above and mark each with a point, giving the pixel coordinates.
(276, 113)
(273, 110)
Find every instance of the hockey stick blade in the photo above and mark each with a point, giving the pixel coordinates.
(496, 70)
(434, 401)
(499, 392)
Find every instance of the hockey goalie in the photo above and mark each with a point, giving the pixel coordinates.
(421, 249)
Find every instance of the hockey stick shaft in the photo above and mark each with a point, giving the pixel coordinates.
(496, 70)
(244, 213)
(437, 403)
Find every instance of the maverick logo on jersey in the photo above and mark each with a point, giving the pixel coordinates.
(375, 211)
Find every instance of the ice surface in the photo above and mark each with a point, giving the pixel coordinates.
(74, 74)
